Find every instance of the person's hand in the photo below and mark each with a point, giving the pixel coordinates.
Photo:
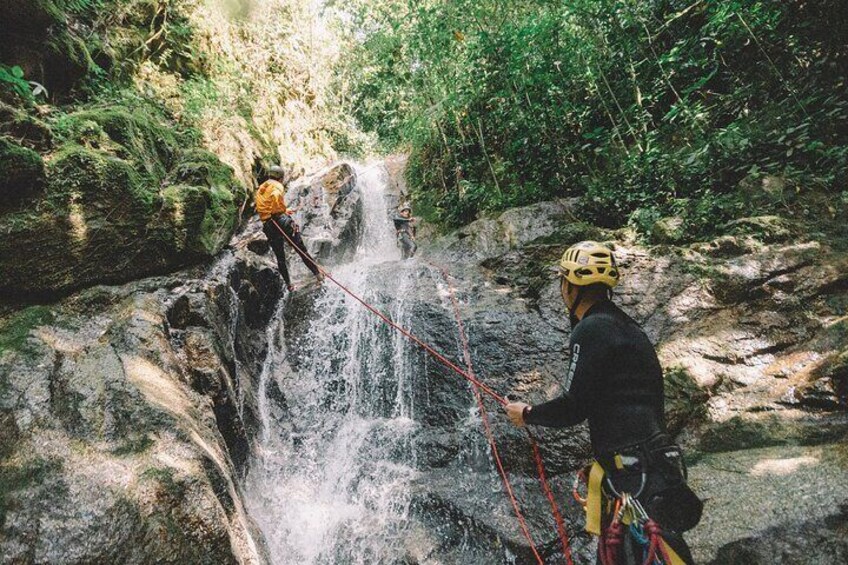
(515, 413)
(290, 288)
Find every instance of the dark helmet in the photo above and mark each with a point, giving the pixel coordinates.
(278, 173)
(405, 208)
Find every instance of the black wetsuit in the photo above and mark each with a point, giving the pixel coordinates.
(615, 381)
(278, 244)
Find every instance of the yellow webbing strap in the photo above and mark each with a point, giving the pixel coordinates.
(675, 559)
(594, 499)
(594, 508)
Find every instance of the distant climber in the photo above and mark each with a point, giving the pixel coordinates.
(615, 381)
(271, 206)
(406, 228)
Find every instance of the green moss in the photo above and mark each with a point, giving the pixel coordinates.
(133, 445)
(201, 168)
(25, 129)
(204, 217)
(133, 134)
(15, 329)
(685, 401)
(21, 173)
(93, 177)
(218, 221)
(66, 61)
(18, 476)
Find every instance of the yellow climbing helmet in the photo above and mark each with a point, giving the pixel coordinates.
(589, 262)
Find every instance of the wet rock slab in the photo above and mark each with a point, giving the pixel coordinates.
(772, 505)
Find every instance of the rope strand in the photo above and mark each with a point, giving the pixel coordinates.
(477, 387)
(409, 335)
(537, 455)
(466, 351)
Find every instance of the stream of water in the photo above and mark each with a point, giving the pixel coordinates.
(330, 481)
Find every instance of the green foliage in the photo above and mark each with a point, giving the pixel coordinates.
(13, 78)
(645, 109)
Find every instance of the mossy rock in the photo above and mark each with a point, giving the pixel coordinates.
(768, 229)
(685, 401)
(18, 476)
(15, 329)
(203, 217)
(669, 230)
(28, 131)
(122, 200)
(199, 167)
(136, 135)
(9, 432)
(22, 173)
(766, 430)
(570, 233)
(66, 61)
(88, 177)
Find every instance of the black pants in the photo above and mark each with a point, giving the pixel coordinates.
(407, 245)
(278, 243)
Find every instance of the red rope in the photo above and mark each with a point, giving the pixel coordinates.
(478, 386)
(543, 479)
(654, 532)
(537, 455)
(487, 426)
(433, 353)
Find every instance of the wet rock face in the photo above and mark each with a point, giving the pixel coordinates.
(123, 432)
(128, 414)
(750, 331)
(331, 212)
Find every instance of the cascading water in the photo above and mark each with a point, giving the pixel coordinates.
(330, 482)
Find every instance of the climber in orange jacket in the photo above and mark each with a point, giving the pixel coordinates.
(276, 217)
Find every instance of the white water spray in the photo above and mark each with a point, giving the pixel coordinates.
(330, 481)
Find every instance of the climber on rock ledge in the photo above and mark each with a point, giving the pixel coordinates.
(277, 221)
(406, 229)
(615, 381)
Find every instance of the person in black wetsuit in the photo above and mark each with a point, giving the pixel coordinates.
(405, 226)
(616, 382)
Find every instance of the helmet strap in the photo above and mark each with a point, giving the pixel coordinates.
(572, 312)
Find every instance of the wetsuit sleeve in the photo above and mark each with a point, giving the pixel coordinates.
(587, 353)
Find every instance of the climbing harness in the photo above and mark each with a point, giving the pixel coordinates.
(628, 517)
(478, 387)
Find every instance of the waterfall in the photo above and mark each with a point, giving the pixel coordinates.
(329, 482)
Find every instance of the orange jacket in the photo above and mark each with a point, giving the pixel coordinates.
(270, 199)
